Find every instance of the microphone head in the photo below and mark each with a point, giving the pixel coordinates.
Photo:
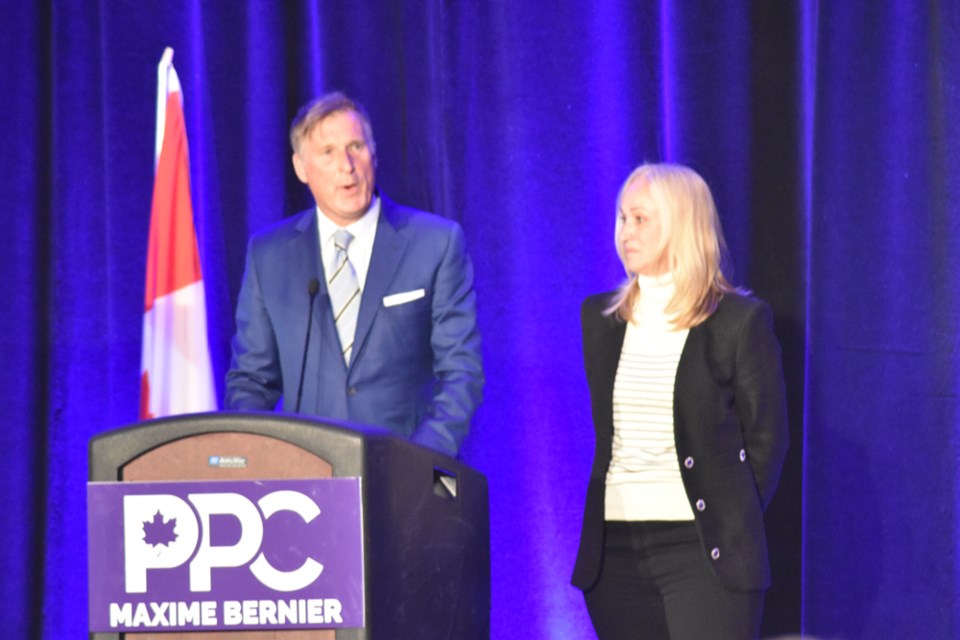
(313, 287)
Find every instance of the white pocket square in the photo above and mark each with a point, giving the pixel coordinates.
(403, 297)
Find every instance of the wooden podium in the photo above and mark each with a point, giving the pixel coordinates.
(425, 515)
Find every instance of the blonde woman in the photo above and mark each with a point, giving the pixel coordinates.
(689, 408)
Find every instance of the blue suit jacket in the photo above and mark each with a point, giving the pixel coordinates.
(415, 367)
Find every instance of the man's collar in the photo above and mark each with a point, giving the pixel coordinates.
(364, 225)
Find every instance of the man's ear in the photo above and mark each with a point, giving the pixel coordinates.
(299, 168)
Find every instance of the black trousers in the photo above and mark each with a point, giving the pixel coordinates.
(656, 583)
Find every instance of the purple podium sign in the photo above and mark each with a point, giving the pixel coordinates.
(255, 554)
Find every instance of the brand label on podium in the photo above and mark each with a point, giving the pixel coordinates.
(263, 554)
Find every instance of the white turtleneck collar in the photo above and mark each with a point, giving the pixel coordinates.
(655, 291)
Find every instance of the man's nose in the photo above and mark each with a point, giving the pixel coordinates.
(346, 162)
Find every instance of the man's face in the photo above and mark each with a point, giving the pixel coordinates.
(336, 162)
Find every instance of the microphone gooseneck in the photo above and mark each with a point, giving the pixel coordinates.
(312, 288)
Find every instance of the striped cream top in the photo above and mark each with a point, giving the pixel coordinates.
(643, 481)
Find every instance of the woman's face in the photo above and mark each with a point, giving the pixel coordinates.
(641, 231)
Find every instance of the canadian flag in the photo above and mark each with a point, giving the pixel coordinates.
(176, 373)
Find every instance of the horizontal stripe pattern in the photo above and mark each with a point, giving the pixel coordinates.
(644, 481)
(643, 443)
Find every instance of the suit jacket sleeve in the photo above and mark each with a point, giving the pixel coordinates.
(760, 399)
(254, 381)
(455, 340)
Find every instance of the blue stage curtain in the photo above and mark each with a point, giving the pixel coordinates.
(829, 132)
(881, 483)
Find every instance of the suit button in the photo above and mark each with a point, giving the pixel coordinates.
(715, 553)
(352, 391)
(743, 455)
(701, 505)
(688, 463)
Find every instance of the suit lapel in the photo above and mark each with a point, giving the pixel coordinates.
(311, 266)
(388, 248)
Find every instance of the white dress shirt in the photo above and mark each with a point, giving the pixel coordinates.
(360, 250)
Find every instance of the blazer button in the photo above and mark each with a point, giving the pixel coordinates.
(715, 553)
(701, 505)
(743, 455)
(352, 391)
(688, 463)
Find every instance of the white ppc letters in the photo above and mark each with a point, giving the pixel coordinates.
(237, 555)
(163, 531)
(310, 569)
(140, 556)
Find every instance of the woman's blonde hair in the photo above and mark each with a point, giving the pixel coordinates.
(692, 241)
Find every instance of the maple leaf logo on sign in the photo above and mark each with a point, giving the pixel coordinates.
(159, 531)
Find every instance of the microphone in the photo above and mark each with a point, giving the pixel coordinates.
(312, 288)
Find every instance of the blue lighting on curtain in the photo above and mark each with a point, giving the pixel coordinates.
(828, 131)
(667, 77)
(808, 75)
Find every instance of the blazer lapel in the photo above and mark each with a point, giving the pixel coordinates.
(611, 344)
(388, 247)
(603, 341)
(605, 334)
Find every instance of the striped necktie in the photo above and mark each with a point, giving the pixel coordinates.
(344, 293)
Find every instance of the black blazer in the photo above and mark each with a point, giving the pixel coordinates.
(730, 428)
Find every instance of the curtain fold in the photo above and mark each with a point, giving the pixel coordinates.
(881, 410)
(827, 131)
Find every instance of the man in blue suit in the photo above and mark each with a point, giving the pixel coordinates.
(385, 291)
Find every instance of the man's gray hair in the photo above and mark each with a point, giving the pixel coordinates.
(319, 109)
